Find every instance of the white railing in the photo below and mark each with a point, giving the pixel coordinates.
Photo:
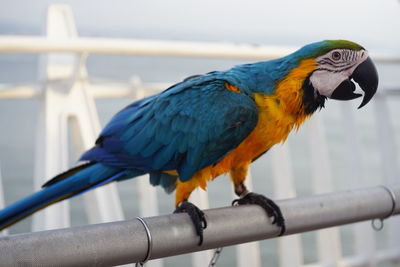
(67, 99)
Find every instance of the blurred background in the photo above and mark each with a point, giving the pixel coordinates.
(288, 23)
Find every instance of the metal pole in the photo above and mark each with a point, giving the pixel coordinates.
(126, 241)
(37, 44)
(91, 45)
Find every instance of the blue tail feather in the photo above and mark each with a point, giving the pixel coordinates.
(87, 178)
(167, 181)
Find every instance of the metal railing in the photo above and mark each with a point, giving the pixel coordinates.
(95, 45)
(127, 241)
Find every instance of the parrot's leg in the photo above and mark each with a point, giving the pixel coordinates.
(197, 216)
(238, 175)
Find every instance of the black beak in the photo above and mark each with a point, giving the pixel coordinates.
(367, 78)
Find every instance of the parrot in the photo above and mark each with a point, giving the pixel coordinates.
(213, 124)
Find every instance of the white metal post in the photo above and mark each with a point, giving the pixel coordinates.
(364, 237)
(289, 247)
(147, 194)
(389, 157)
(328, 240)
(2, 202)
(51, 139)
(65, 96)
(248, 254)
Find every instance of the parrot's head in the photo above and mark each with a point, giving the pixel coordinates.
(339, 64)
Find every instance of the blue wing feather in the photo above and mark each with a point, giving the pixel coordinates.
(187, 127)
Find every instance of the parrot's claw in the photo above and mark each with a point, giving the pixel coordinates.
(196, 215)
(268, 205)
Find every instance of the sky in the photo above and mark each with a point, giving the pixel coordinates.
(372, 23)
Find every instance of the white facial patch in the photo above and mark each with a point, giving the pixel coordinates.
(335, 67)
(326, 82)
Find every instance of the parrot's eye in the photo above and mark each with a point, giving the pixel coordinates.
(336, 55)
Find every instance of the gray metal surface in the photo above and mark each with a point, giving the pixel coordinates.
(126, 241)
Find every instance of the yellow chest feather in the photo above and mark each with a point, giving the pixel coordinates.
(278, 115)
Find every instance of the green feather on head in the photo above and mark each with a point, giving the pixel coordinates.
(315, 50)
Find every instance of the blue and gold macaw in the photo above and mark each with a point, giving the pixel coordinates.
(212, 124)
